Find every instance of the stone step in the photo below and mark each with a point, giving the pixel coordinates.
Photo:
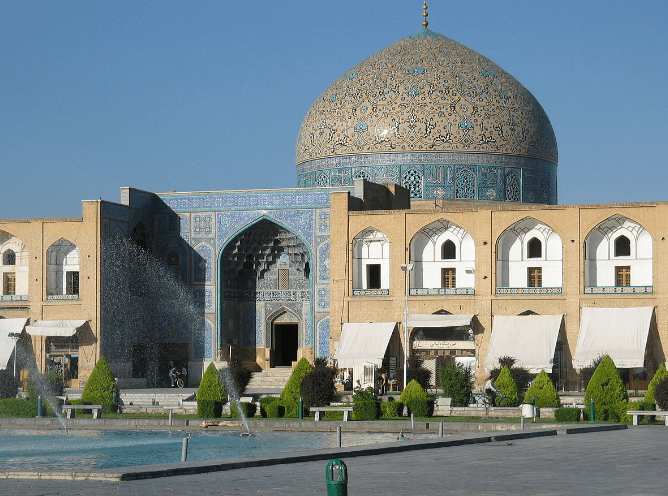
(270, 379)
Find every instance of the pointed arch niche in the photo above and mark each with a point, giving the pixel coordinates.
(371, 263)
(529, 259)
(13, 268)
(443, 256)
(62, 270)
(265, 293)
(618, 257)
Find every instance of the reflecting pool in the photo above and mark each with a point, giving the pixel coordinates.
(23, 449)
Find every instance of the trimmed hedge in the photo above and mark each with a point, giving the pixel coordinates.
(605, 387)
(567, 414)
(389, 409)
(506, 384)
(101, 388)
(292, 390)
(17, 407)
(211, 394)
(209, 409)
(334, 415)
(248, 408)
(622, 407)
(544, 391)
(9, 385)
(270, 407)
(421, 408)
(366, 410)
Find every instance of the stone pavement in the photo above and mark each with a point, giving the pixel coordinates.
(630, 461)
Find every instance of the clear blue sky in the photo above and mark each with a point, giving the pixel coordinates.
(209, 95)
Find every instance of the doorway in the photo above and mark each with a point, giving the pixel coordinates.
(285, 344)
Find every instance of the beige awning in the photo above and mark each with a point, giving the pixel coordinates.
(363, 342)
(438, 320)
(61, 328)
(7, 344)
(618, 332)
(530, 339)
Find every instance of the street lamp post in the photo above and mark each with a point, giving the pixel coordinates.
(15, 336)
(407, 269)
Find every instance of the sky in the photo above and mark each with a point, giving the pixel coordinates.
(209, 95)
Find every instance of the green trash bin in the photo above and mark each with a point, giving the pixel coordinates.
(336, 475)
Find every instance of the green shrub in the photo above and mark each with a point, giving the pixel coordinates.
(211, 394)
(9, 385)
(456, 383)
(567, 414)
(270, 407)
(623, 406)
(45, 385)
(520, 375)
(661, 394)
(292, 390)
(334, 415)
(544, 391)
(317, 387)
(421, 408)
(290, 409)
(413, 391)
(389, 409)
(506, 385)
(17, 407)
(101, 388)
(605, 386)
(248, 408)
(209, 409)
(660, 373)
(366, 410)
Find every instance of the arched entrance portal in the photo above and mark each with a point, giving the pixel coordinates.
(265, 294)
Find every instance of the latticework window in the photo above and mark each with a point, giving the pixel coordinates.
(623, 275)
(449, 278)
(535, 277)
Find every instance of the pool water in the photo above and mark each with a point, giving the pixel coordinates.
(86, 450)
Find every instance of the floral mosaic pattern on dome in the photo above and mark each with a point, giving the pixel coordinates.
(426, 93)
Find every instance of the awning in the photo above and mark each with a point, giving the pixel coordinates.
(618, 332)
(363, 342)
(530, 339)
(438, 320)
(7, 327)
(62, 328)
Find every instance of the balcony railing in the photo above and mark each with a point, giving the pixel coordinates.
(13, 297)
(371, 292)
(441, 291)
(62, 297)
(529, 291)
(618, 289)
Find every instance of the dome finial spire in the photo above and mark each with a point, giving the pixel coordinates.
(425, 23)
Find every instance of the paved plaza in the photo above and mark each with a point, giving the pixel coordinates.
(630, 461)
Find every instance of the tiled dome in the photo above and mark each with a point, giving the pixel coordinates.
(435, 116)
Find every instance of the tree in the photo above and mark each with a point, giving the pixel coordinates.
(318, 385)
(101, 388)
(211, 394)
(606, 387)
(544, 391)
(660, 374)
(456, 383)
(505, 383)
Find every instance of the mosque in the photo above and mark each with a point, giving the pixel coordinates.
(425, 223)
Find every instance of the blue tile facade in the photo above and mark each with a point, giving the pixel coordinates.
(188, 234)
